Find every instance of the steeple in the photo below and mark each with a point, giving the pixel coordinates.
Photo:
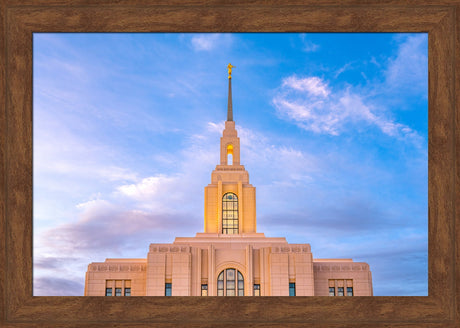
(230, 106)
(230, 200)
(230, 143)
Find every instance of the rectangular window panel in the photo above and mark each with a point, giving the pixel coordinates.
(230, 274)
(220, 284)
(256, 290)
(331, 291)
(117, 291)
(240, 292)
(230, 292)
(339, 291)
(349, 291)
(292, 289)
(230, 284)
(204, 290)
(127, 291)
(168, 289)
(108, 292)
(220, 292)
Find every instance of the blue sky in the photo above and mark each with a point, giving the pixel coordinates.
(333, 131)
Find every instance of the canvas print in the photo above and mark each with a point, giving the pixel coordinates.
(250, 164)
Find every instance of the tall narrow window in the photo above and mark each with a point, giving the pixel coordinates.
(340, 291)
(204, 290)
(240, 284)
(331, 291)
(220, 284)
(230, 282)
(117, 291)
(292, 289)
(256, 289)
(230, 213)
(127, 291)
(230, 154)
(349, 291)
(230, 159)
(108, 292)
(168, 289)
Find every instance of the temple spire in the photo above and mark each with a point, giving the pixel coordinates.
(230, 106)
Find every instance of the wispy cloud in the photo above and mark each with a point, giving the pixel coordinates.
(312, 85)
(311, 105)
(342, 69)
(210, 41)
(409, 69)
(104, 226)
(308, 46)
(316, 109)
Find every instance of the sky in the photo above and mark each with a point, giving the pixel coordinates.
(333, 131)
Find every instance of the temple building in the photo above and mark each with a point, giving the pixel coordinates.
(230, 258)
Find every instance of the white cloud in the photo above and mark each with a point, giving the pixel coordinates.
(409, 69)
(308, 46)
(312, 85)
(310, 104)
(210, 41)
(344, 68)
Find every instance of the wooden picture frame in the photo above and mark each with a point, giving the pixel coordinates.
(21, 18)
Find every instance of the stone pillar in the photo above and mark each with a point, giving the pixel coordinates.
(249, 272)
(219, 207)
(212, 285)
(240, 208)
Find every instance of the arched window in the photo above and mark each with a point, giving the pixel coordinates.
(230, 282)
(230, 213)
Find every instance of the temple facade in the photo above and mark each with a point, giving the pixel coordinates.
(230, 258)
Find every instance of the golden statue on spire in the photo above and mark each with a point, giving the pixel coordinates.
(230, 66)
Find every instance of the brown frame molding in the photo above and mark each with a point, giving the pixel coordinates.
(21, 18)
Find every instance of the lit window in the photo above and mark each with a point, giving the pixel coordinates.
(230, 213)
(331, 291)
(168, 289)
(117, 291)
(231, 282)
(127, 291)
(204, 290)
(108, 292)
(340, 291)
(349, 291)
(292, 289)
(256, 289)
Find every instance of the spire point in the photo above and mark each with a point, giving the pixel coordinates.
(229, 67)
(230, 105)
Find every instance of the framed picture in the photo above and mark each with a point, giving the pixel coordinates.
(17, 144)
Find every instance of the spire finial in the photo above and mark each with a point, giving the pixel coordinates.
(230, 106)
(230, 66)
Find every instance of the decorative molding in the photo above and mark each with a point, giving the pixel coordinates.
(294, 248)
(334, 266)
(125, 267)
(168, 248)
